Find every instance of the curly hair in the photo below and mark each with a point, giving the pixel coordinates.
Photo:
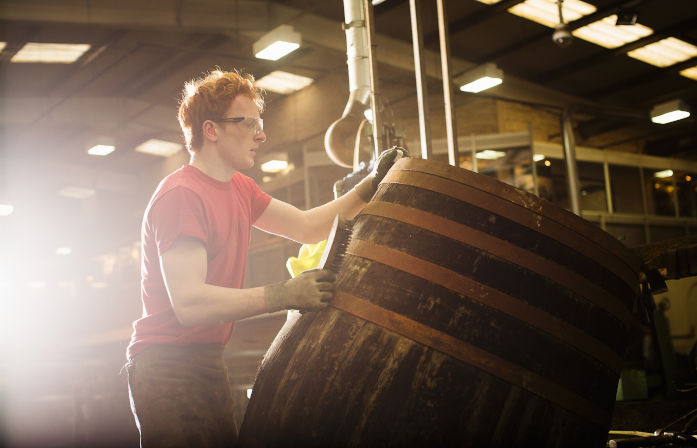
(208, 98)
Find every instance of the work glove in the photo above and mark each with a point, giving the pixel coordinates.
(369, 185)
(308, 291)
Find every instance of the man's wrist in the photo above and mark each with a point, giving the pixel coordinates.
(273, 297)
(365, 188)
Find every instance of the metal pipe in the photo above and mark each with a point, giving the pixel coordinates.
(450, 123)
(608, 188)
(421, 80)
(374, 103)
(570, 159)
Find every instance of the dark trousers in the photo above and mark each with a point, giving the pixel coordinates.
(181, 397)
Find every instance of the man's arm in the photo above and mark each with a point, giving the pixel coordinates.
(309, 226)
(314, 225)
(184, 267)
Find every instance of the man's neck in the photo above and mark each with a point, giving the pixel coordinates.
(210, 164)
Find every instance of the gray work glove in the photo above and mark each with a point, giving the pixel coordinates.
(368, 186)
(309, 291)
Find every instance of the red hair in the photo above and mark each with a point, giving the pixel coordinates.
(209, 98)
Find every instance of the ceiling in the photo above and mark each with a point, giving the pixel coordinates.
(127, 87)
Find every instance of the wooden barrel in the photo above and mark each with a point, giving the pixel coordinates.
(468, 313)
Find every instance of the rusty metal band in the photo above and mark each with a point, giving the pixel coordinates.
(522, 216)
(469, 354)
(504, 250)
(489, 297)
(523, 199)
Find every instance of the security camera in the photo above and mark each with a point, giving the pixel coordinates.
(562, 36)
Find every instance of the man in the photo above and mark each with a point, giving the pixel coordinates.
(195, 237)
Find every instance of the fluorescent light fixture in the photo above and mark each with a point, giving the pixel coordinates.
(665, 52)
(605, 33)
(489, 2)
(480, 78)
(101, 150)
(283, 82)
(274, 162)
(546, 12)
(489, 154)
(64, 251)
(36, 284)
(538, 157)
(33, 52)
(159, 147)
(663, 174)
(669, 112)
(690, 73)
(6, 209)
(77, 192)
(276, 43)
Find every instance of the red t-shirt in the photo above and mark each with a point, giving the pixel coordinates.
(189, 203)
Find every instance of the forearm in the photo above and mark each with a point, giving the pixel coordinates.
(320, 219)
(205, 304)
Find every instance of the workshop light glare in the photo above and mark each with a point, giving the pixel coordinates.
(606, 33)
(6, 209)
(546, 12)
(690, 73)
(277, 43)
(480, 78)
(489, 154)
(538, 157)
(665, 52)
(159, 147)
(49, 53)
(663, 174)
(77, 192)
(283, 82)
(101, 150)
(669, 112)
(274, 162)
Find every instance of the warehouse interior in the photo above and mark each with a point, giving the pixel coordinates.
(70, 220)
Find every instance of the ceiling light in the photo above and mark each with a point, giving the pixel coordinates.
(36, 284)
(489, 154)
(489, 2)
(663, 174)
(665, 52)
(546, 12)
(480, 78)
(669, 112)
(605, 33)
(274, 162)
(159, 147)
(538, 157)
(64, 251)
(77, 192)
(50, 53)
(283, 82)
(690, 72)
(101, 150)
(6, 209)
(276, 43)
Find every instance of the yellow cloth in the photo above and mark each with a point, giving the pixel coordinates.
(308, 258)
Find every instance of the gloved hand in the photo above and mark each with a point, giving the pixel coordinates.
(368, 186)
(308, 291)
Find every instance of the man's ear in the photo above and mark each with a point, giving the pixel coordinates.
(209, 130)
